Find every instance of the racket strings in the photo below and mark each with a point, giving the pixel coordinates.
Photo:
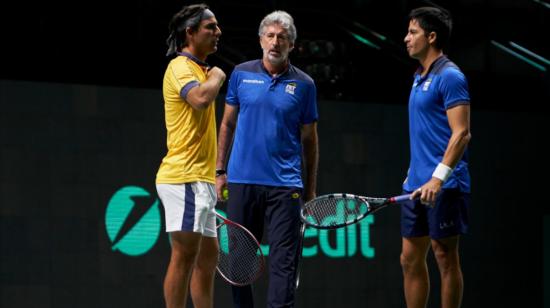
(240, 260)
(333, 211)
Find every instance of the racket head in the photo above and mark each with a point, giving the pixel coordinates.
(337, 210)
(240, 260)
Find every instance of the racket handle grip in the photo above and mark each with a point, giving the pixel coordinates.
(401, 198)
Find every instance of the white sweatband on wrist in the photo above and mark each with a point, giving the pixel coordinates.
(442, 172)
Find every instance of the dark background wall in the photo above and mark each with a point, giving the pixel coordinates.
(67, 149)
(81, 118)
(122, 43)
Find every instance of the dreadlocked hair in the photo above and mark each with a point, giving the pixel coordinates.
(188, 16)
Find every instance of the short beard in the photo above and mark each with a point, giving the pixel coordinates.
(276, 61)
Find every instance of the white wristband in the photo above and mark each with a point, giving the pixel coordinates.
(442, 172)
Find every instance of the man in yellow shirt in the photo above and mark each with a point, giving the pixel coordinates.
(186, 177)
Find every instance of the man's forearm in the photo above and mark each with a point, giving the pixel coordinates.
(224, 140)
(311, 157)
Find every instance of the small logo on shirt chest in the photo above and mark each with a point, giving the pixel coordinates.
(254, 81)
(426, 85)
(290, 88)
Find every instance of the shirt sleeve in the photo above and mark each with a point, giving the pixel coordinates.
(454, 88)
(232, 97)
(182, 78)
(309, 107)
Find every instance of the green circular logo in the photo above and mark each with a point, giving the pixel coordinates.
(133, 224)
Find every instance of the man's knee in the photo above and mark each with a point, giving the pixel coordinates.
(412, 263)
(184, 257)
(207, 262)
(184, 249)
(446, 255)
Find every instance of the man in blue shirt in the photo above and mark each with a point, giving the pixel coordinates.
(276, 107)
(439, 128)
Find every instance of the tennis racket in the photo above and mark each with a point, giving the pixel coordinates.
(300, 252)
(339, 210)
(241, 260)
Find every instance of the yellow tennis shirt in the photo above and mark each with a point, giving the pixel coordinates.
(191, 133)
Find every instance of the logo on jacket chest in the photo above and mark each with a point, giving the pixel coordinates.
(290, 87)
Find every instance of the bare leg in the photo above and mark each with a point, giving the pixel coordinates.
(202, 280)
(185, 246)
(415, 271)
(452, 283)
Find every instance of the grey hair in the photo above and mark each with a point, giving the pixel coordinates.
(281, 18)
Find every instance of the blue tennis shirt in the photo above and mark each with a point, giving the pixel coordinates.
(443, 87)
(267, 148)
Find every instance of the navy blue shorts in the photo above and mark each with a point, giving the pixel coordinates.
(448, 218)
